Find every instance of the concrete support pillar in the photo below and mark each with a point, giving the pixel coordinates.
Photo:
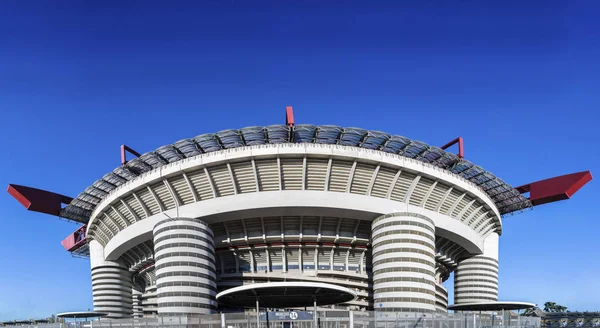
(476, 277)
(404, 263)
(111, 284)
(257, 314)
(350, 319)
(185, 267)
(315, 312)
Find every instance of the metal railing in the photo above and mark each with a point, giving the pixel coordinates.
(302, 319)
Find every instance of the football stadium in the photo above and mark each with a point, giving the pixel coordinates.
(294, 217)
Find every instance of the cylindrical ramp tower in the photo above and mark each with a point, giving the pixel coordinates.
(185, 267)
(138, 310)
(404, 263)
(111, 284)
(476, 277)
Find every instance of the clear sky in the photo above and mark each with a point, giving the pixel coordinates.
(518, 80)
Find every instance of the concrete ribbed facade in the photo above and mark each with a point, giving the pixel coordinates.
(476, 277)
(441, 298)
(111, 290)
(476, 280)
(390, 229)
(404, 263)
(185, 267)
(138, 308)
(149, 304)
(111, 285)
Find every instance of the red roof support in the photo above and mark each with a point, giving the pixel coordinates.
(124, 149)
(555, 189)
(75, 240)
(459, 141)
(38, 200)
(289, 116)
(145, 267)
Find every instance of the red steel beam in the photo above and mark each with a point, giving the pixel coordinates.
(38, 200)
(145, 267)
(75, 240)
(124, 150)
(289, 116)
(459, 141)
(555, 189)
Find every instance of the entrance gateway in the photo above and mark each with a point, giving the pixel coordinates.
(289, 295)
(288, 319)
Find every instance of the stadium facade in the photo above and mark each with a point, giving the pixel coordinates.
(291, 216)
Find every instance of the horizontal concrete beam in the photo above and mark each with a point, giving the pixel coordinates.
(277, 203)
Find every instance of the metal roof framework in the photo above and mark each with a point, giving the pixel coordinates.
(506, 198)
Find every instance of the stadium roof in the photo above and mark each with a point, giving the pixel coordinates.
(506, 198)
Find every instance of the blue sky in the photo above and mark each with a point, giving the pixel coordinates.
(517, 79)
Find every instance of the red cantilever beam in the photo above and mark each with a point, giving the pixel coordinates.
(75, 240)
(459, 141)
(124, 150)
(555, 189)
(289, 116)
(38, 200)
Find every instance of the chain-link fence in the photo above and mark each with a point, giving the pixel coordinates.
(307, 319)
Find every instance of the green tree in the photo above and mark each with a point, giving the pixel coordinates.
(553, 307)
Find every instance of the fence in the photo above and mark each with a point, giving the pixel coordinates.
(305, 319)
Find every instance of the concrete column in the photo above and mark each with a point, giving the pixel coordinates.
(476, 277)
(185, 267)
(315, 312)
(351, 319)
(257, 313)
(111, 284)
(404, 263)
